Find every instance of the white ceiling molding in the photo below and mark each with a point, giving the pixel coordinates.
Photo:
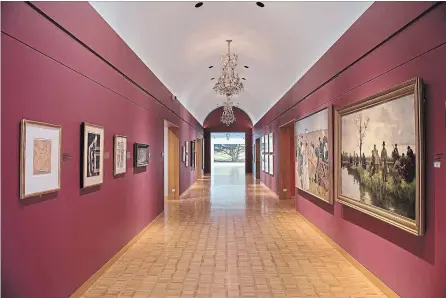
(279, 43)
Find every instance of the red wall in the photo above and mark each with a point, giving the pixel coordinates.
(389, 44)
(65, 70)
(212, 124)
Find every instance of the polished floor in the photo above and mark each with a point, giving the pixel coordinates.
(231, 237)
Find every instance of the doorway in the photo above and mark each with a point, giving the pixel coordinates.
(287, 160)
(171, 162)
(257, 158)
(228, 153)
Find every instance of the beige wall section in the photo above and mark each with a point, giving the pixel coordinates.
(173, 165)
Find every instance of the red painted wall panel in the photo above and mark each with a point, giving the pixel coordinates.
(412, 266)
(51, 245)
(212, 124)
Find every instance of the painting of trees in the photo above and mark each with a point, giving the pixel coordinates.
(229, 152)
(361, 124)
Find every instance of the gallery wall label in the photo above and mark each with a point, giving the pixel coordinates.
(128, 155)
(106, 155)
(66, 156)
(437, 164)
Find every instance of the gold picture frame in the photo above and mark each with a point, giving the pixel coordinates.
(330, 150)
(23, 158)
(401, 91)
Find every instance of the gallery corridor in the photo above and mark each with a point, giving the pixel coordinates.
(232, 237)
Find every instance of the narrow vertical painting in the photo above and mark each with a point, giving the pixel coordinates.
(40, 157)
(313, 172)
(120, 155)
(92, 139)
(380, 156)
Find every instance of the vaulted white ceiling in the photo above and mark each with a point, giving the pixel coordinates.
(278, 42)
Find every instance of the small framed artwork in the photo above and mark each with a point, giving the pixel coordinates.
(187, 153)
(183, 153)
(141, 155)
(40, 156)
(270, 143)
(120, 155)
(92, 163)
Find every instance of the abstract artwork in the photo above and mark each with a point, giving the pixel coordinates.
(40, 156)
(141, 155)
(313, 170)
(92, 138)
(380, 156)
(120, 155)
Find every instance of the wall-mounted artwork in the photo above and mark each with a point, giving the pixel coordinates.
(271, 154)
(265, 154)
(183, 153)
(380, 168)
(270, 143)
(271, 164)
(262, 153)
(141, 155)
(92, 139)
(229, 153)
(120, 155)
(40, 157)
(186, 145)
(192, 155)
(313, 145)
(202, 153)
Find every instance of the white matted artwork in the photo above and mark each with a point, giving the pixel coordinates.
(120, 155)
(271, 164)
(265, 154)
(92, 138)
(262, 153)
(40, 157)
(270, 143)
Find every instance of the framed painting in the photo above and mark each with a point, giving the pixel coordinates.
(313, 165)
(380, 156)
(202, 153)
(119, 155)
(192, 154)
(270, 143)
(271, 164)
(262, 153)
(40, 157)
(141, 155)
(266, 154)
(92, 163)
(183, 153)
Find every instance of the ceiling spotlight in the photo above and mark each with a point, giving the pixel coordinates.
(211, 66)
(243, 79)
(246, 66)
(200, 4)
(212, 79)
(259, 4)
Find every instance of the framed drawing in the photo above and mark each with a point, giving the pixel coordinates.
(271, 164)
(92, 163)
(192, 155)
(141, 155)
(270, 154)
(119, 155)
(40, 157)
(183, 153)
(262, 153)
(202, 153)
(380, 156)
(270, 143)
(266, 153)
(313, 143)
(187, 153)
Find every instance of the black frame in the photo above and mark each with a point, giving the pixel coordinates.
(135, 155)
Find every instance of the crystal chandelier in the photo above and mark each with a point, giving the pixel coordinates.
(229, 83)
(228, 116)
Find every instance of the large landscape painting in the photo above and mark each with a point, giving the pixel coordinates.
(312, 155)
(378, 158)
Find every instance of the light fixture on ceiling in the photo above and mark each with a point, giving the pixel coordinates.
(198, 4)
(228, 116)
(211, 66)
(229, 83)
(246, 66)
(212, 79)
(260, 4)
(243, 79)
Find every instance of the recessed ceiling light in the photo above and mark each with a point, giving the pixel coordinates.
(244, 79)
(259, 4)
(199, 4)
(246, 66)
(211, 66)
(212, 79)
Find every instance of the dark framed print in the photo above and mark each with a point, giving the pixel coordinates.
(40, 157)
(380, 156)
(141, 155)
(186, 146)
(92, 163)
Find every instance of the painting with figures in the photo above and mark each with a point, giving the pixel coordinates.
(312, 172)
(40, 157)
(94, 154)
(379, 157)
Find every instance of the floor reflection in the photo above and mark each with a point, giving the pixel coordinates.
(231, 237)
